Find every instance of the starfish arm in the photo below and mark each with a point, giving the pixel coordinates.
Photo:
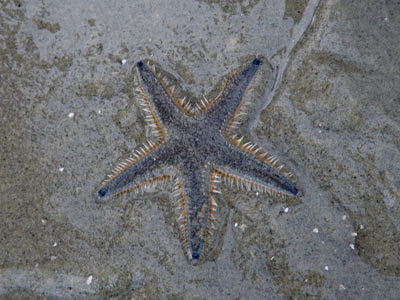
(246, 171)
(222, 108)
(196, 205)
(129, 176)
(164, 106)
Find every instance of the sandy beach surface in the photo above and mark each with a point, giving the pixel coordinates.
(328, 105)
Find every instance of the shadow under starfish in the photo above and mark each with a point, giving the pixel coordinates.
(196, 149)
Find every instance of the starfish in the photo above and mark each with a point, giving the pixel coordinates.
(194, 147)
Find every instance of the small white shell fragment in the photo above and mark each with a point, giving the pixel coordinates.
(286, 209)
(123, 61)
(352, 246)
(61, 169)
(55, 244)
(71, 115)
(89, 280)
(354, 234)
(326, 268)
(315, 230)
(243, 227)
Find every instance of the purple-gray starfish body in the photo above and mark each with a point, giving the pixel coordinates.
(196, 150)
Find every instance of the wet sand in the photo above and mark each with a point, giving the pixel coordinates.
(331, 113)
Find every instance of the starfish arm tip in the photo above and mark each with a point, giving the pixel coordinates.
(101, 195)
(294, 191)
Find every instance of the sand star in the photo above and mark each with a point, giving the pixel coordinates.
(195, 147)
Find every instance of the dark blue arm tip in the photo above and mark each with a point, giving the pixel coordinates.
(101, 193)
(140, 64)
(292, 189)
(295, 191)
(256, 61)
(195, 256)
